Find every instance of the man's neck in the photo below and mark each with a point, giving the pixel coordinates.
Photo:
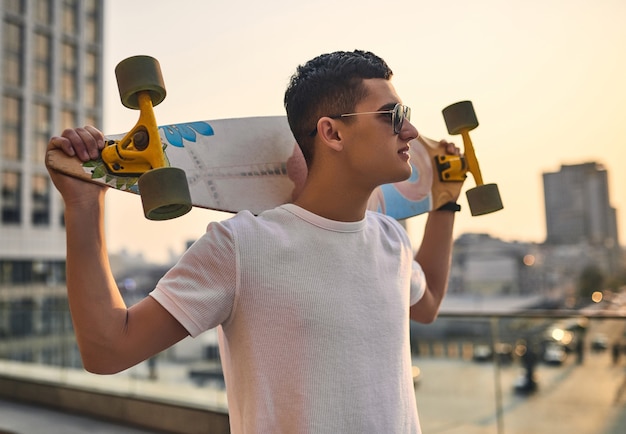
(334, 201)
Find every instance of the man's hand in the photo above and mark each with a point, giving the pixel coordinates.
(449, 147)
(85, 144)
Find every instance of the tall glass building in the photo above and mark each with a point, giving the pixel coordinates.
(51, 75)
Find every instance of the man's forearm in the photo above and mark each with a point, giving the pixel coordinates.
(98, 310)
(434, 256)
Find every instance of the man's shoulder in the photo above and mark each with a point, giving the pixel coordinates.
(388, 225)
(380, 219)
(246, 219)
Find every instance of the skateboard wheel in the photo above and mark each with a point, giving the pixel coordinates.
(164, 193)
(484, 199)
(460, 117)
(137, 74)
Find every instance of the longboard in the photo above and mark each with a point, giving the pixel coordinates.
(255, 164)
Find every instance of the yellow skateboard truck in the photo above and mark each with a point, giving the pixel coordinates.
(460, 119)
(451, 168)
(140, 150)
(164, 190)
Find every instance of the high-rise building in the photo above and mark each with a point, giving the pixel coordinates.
(51, 76)
(579, 216)
(578, 208)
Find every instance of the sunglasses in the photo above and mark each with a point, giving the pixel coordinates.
(398, 114)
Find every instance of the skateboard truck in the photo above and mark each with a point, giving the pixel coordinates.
(164, 190)
(451, 168)
(460, 119)
(140, 149)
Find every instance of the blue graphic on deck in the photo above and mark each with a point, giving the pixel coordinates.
(175, 134)
(398, 206)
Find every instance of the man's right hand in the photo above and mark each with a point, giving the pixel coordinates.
(85, 144)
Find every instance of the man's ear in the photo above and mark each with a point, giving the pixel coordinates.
(329, 133)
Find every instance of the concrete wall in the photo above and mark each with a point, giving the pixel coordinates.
(133, 411)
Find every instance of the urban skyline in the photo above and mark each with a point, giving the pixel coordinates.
(134, 234)
(545, 78)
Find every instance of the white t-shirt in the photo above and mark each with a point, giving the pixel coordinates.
(313, 319)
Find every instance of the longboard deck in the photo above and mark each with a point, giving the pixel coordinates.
(255, 164)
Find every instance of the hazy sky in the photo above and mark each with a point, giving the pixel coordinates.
(547, 79)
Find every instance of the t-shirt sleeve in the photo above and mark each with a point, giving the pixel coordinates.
(418, 279)
(418, 283)
(199, 291)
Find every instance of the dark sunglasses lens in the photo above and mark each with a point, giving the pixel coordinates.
(398, 118)
(400, 113)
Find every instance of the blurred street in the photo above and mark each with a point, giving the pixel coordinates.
(459, 396)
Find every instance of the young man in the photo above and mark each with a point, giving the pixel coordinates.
(312, 299)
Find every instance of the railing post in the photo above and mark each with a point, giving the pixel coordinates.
(495, 337)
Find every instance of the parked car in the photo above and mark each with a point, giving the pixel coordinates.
(482, 352)
(554, 354)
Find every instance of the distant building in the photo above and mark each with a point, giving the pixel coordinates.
(51, 76)
(581, 232)
(578, 212)
(486, 266)
(577, 206)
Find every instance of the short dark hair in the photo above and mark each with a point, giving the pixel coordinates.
(329, 84)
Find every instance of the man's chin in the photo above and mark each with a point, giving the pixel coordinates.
(403, 177)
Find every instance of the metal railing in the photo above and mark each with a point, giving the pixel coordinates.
(475, 372)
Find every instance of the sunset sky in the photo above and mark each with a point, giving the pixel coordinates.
(547, 79)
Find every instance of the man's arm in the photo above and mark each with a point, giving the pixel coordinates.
(435, 255)
(110, 337)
